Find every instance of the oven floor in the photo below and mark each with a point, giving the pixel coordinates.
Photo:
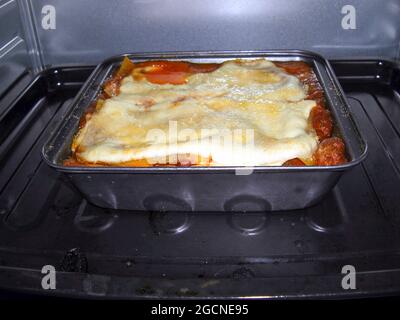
(112, 253)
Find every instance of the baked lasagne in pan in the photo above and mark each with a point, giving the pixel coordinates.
(237, 113)
(207, 131)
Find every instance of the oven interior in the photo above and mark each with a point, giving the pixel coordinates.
(47, 51)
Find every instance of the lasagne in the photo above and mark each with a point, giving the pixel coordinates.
(235, 113)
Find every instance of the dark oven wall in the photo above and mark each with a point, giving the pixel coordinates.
(14, 58)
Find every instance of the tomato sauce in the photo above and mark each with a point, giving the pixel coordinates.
(170, 72)
(330, 151)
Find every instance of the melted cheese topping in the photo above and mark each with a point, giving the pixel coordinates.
(247, 113)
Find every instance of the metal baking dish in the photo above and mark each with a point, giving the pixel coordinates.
(206, 188)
